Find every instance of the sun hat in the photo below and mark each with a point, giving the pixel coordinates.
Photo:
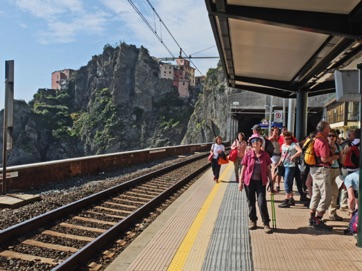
(254, 136)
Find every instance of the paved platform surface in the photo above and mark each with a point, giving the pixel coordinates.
(206, 229)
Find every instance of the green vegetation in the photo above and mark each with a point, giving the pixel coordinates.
(52, 112)
(98, 127)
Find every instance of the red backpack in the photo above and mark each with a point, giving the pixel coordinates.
(352, 158)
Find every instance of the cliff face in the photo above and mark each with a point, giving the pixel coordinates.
(211, 110)
(114, 103)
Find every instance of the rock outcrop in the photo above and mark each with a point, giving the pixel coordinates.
(117, 102)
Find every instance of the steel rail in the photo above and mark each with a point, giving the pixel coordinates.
(82, 255)
(24, 227)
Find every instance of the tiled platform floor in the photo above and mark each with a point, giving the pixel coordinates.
(294, 245)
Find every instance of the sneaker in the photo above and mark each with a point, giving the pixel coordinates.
(267, 229)
(252, 225)
(311, 221)
(291, 202)
(303, 198)
(335, 218)
(319, 225)
(285, 204)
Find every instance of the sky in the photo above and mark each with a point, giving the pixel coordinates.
(43, 36)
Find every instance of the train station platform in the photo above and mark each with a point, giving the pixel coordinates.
(207, 229)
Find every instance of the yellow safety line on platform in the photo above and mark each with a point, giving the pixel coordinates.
(182, 253)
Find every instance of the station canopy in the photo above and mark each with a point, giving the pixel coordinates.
(280, 47)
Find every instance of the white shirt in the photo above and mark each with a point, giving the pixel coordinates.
(216, 148)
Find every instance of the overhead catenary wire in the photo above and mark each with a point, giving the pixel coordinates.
(181, 50)
(150, 26)
(203, 50)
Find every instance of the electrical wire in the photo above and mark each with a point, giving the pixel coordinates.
(203, 50)
(181, 50)
(150, 26)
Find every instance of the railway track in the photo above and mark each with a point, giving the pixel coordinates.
(68, 237)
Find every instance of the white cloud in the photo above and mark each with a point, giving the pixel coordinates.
(22, 25)
(65, 20)
(63, 32)
(47, 9)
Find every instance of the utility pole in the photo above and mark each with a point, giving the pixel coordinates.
(8, 117)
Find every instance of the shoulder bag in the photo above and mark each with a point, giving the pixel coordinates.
(211, 155)
(281, 168)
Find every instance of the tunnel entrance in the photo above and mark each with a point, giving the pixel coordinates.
(244, 121)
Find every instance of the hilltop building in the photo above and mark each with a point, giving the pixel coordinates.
(182, 75)
(60, 79)
(167, 71)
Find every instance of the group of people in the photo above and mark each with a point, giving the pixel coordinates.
(333, 177)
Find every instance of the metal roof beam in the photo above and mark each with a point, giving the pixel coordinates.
(267, 91)
(326, 85)
(318, 22)
(264, 82)
(325, 62)
(321, 92)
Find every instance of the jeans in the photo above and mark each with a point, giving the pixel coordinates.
(298, 180)
(256, 187)
(288, 179)
(215, 168)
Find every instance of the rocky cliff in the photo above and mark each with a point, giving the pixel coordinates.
(209, 118)
(115, 103)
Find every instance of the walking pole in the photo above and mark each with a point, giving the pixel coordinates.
(274, 222)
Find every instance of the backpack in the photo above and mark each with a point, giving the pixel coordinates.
(269, 147)
(352, 158)
(308, 152)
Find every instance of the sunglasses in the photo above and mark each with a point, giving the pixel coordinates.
(331, 136)
(254, 140)
(288, 138)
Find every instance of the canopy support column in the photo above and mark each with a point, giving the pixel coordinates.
(302, 115)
